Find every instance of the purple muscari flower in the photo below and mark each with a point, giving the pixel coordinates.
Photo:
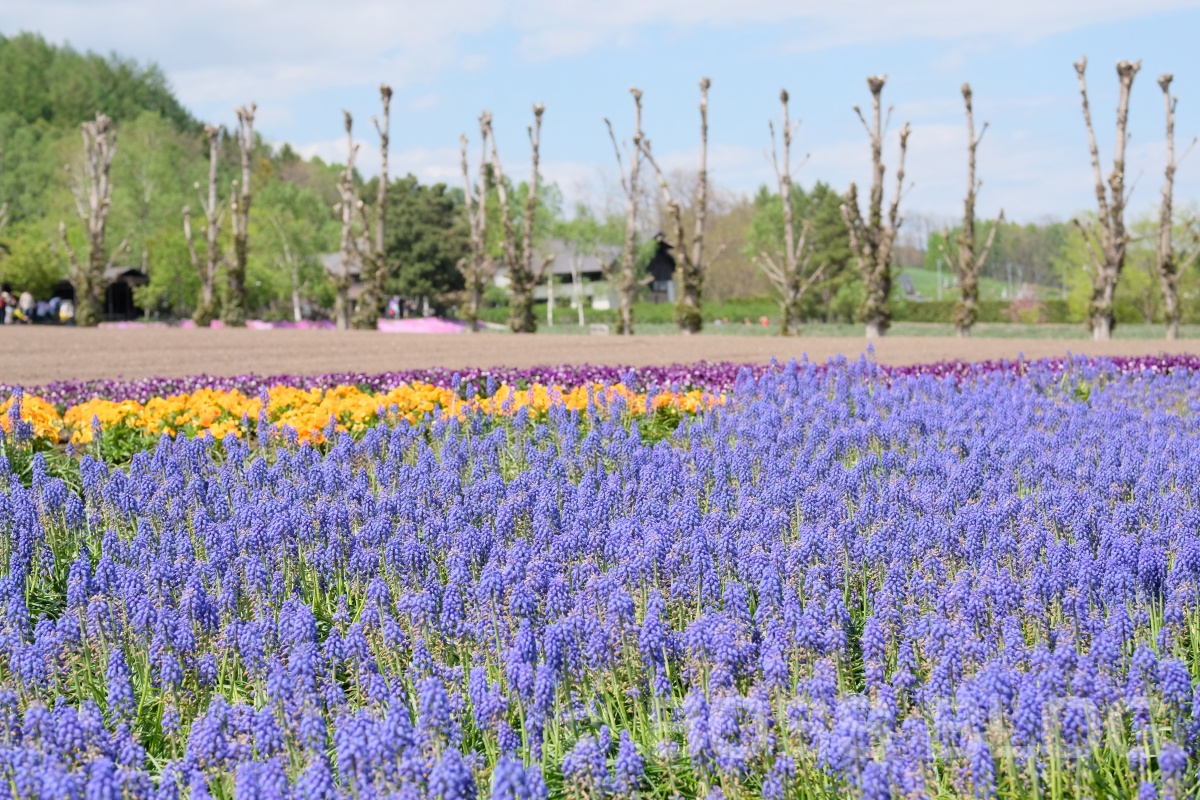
(983, 768)
(1173, 761)
(585, 766)
(507, 739)
(451, 778)
(509, 780)
(875, 782)
(1147, 791)
(316, 781)
(1176, 684)
(630, 767)
(121, 699)
(776, 783)
(699, 743)
(433, 717)
(170, 783)
(102, 782)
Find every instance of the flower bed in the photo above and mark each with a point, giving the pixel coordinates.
(313, 415)
(840, 583)
(704, 375)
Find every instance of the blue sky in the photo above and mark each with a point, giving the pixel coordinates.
(303, 61)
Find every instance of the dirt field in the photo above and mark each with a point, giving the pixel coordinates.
(37, 355)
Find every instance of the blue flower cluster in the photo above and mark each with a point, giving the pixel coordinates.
(833, 586)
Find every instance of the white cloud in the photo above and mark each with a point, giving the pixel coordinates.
(227, 52)
(221, 52)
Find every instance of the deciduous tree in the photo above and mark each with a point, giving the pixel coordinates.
(233, 306)
(873, 239)
(689, 255)
(348, 207)
(375, 266)
(1171, 262)
(791, 278)
(426, 237)
(1107, 239)
(479, 267)
(207, 271)
(968, 263)
(626, 280)
(523, 275)
(93, 204)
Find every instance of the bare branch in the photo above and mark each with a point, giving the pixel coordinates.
(116, 253)
(1101, 197)
(1095, 248)
(987, 246)
(617, 151)
(66, 243)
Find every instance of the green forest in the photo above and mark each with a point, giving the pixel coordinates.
(1033, 273)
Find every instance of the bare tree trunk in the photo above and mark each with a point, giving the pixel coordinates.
(478, 268)
(1108, 239)
(349, 254)
(1168, 266)
(687, 310)
(577, 287)
(374, 266)
(689, 255)
(627, 279)
(792, 278)
(293, 265)
(523, 276)
(872, 241)
(233, 307)
(206, 306)
(969, 264)
(99, 147)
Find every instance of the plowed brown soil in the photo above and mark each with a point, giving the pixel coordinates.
(37, 355)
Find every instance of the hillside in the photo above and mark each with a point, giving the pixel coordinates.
(47, 90)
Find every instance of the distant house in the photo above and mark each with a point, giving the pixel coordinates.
(662, 272)
(335, 266)
(119, 284)
(571, 265)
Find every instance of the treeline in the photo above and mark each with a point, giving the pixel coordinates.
(225, 225)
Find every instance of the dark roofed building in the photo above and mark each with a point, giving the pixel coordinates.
(662, 271)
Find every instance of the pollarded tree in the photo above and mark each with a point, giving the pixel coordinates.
(1107, 239)
(348, 208)
(523, 275)
(968, 263)
(233, 306)
(478, 268)
(626, 278)
(92, 205)
(872, 240)
(792, 278)
(689, 254)
(374, 266)
(206, 306)
(1171, 262)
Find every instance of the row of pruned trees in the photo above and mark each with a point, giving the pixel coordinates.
(497, 239)
(872, 228)
(873, 236)
(92, 192)
(525, 270)
(221, 268)
(1107, 237)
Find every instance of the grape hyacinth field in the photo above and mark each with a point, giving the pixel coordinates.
(789, 581)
